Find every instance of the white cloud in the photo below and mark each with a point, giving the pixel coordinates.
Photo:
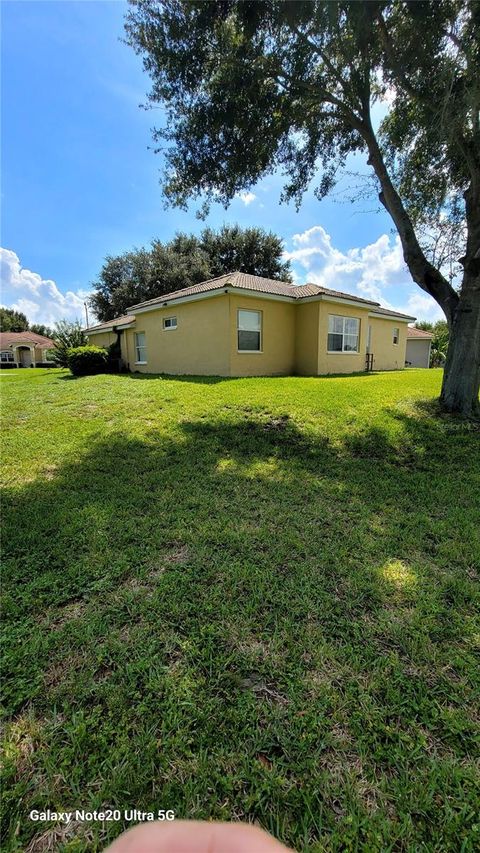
(246, 197)
(422, 306)
(37, 297)
(376, 271)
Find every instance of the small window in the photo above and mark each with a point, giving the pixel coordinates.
(140, 348)
(249, 331)
(7, 356)
(396, 335)
(169, 322)
(343, 334)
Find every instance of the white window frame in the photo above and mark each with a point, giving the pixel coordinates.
(344, 334)
(139, 348)
(260, 314)
(172, 324)
(10, 354)
(396, 336)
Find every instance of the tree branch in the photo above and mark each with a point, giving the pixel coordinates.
(423, 272)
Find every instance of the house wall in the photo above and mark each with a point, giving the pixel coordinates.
(277, 357)
(306, 338)
(386, 354)
(418, 352)
(200, 345)
(340, 362)
(41, 355)
(37, 356)
(102, 339)
(294, 339)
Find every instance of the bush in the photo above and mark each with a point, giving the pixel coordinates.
(67, 336)
(85, 361)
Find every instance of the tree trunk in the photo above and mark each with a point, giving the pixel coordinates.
(461, 378)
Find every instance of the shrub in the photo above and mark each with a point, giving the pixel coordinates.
(67, 336)
(85, 361)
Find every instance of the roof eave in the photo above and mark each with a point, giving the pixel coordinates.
(245, 291)
(402, 318)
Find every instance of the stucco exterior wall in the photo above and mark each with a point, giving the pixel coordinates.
(24, 356)
(294, 339)
(102, 339)
(340, 362)
(386, 354)
(199, 345)
(277, 357)
(306, 338)
(418, 352)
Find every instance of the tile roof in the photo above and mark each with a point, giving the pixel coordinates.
(7, 339)
(246, 281)
(418, 333)
(108, 324)
(378, 310)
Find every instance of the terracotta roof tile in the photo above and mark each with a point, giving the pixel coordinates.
(256, 283)
(418, 333)
(9, 338)
(390, 313)
(117, 321)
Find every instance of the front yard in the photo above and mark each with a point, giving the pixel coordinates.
(241, 599)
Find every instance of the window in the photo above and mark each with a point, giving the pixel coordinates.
(140, 348)
(7, 356)
(343, 334)
(396, 334)
(169, 322)
(48, 354)
(249, 331)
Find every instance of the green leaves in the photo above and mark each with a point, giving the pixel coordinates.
(66, 336)
(143, 274)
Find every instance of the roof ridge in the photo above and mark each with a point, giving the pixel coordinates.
(163, 296)
(256, 283)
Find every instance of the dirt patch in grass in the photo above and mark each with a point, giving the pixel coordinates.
(21, 739)
(49, 471)
(254, 649)
(261, 690)
(60, 671)
(177, 556)
(55, 838)
(67, 613)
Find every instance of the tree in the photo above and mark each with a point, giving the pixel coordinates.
(41, 329)
(250, 250)
(249, 87)
(66, 336)
(144, 274)
(12, 321)
(440, 339)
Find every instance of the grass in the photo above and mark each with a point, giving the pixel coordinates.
(244, 599)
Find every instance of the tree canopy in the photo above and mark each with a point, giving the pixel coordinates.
(252, 87)
(67, 335)
(142, 274)
(16, 321)
(12, 321)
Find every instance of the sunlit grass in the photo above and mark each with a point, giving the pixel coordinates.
(245, 599)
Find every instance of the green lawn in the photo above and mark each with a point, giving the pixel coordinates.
(241, 599)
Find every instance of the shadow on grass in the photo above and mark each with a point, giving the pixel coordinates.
(214, 380)
(193, 619)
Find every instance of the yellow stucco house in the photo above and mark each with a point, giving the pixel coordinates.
(245, 325)
(25, 349)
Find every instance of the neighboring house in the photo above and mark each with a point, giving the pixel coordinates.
(244, 325)
(25, 349)
(419, 343)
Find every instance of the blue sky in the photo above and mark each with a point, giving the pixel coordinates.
(79, 181)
